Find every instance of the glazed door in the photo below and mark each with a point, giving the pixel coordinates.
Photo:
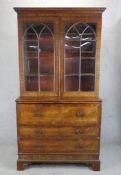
(78, 57)
(39, 62)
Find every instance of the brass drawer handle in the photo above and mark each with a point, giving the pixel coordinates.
(79, 146)
(79, 114)
(39, 145)
(38, 132)
(38, 114)
(78, 131)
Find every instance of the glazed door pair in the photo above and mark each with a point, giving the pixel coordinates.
(59, 57)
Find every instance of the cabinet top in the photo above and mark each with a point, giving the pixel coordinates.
(83, 10)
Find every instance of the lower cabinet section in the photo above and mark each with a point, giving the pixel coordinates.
(56, 133)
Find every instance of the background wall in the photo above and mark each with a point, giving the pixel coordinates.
(110, 80)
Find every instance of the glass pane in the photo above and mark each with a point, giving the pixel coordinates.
(88, 66)
(38, 44)
(87, 83)
(71, 83)
(31, 83)
(79, 59)
(72, 53)
(72, 66)
(32, 66)
(29, 33)
(30, 46)
(46, 43)
(46, 83)
(47, 65)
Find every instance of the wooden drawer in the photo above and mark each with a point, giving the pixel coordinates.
(58, 114)
(58, 145)
(41, 132)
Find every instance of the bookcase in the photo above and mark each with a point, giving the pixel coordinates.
(59, 109)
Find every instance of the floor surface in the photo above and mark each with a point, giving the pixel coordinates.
(110, 163)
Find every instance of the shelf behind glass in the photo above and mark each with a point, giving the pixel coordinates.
(46, 82)
(82, 74)
(77, 83)
(79, 58)
(36, 75)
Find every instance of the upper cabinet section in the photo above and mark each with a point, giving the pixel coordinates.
(59, 52)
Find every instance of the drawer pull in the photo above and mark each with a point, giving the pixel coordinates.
(39, 145)
(38, 114)
(38, 132)
(79, 146)
(79, 114)
(78, 131)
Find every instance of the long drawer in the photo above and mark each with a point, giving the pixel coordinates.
(58, 146)
(41, 132)
(59, 114)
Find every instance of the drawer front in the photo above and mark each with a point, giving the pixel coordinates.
(59, 146)
(58, 114)
(39, 132)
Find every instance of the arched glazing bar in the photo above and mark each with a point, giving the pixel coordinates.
(80, 38)
(38, 39)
